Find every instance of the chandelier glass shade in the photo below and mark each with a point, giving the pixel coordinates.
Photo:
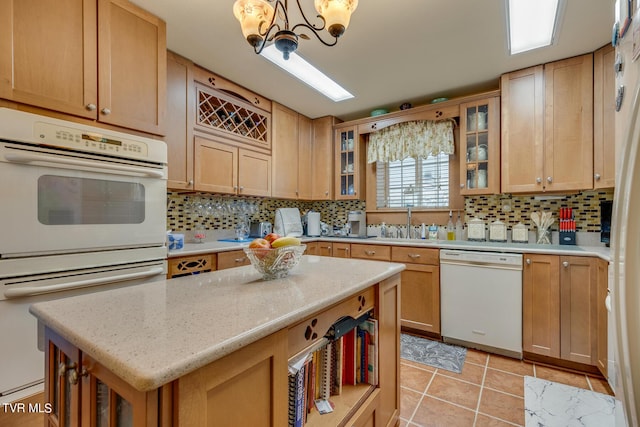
(266, 21)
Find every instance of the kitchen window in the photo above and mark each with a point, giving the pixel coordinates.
(410, 182)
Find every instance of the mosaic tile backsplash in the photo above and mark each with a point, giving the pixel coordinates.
(586, 208)
(183, 215)
(224, 211)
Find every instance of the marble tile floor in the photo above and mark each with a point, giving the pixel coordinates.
(488, 392)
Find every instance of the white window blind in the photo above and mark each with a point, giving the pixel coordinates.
(411, 182)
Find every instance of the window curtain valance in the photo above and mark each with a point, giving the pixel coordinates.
(417, 139)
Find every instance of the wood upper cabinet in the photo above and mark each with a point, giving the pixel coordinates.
(284, 151)
(480, 147)
(322, 158)
(223, 168)
(179, 135)
(604, 93)
(305, 157)
(559, 307)
(106, 63)
(349, 164)
(291, 151)
(547, 127)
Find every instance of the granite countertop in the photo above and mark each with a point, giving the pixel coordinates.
(154, 333)
(596, 251)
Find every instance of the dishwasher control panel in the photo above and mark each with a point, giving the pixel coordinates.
(481, 258)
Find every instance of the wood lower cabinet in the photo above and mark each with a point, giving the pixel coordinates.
(603, 316)
(541, 305)
(373, 252)
(420, 288)
(106, 63)
(250, 386)
(341, 250)
(247, 388)
(231, 259)
(559, 307)
(184, 266)
(578, 301)
(83, 393)
(224, 168)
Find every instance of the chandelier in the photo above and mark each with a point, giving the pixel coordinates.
(263, 22)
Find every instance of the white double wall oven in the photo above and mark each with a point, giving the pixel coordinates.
(83, 210)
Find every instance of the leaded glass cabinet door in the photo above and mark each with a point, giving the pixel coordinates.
(480, 147)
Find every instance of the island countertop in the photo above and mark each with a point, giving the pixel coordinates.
(154, 333)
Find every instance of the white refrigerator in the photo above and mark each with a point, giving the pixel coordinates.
(625, 229)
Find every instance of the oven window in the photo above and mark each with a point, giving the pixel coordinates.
(66, 200)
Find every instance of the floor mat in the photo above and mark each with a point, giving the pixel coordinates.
(432, 353)
(552, 404)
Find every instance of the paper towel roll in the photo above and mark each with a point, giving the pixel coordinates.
(313, 224)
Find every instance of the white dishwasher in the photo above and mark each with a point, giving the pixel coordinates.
(481, 300)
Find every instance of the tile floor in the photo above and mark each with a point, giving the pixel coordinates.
(488, 392)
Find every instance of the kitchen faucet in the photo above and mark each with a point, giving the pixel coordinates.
(408, 236)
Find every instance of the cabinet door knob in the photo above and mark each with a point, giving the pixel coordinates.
(241, 188)
(538, 180)
(461, 185)
(190, 183)
(91, 107)
(549, 179)
(565, 264)
(105, 111)
(597, 177)
(528, 261)
(326, 193)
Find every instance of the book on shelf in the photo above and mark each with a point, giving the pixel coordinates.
(321, 373)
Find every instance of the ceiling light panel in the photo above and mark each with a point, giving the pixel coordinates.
(532, 23)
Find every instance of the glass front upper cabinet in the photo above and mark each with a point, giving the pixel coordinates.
(480, 147)
(347, 170)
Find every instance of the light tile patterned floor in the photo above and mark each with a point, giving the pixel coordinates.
(488, 392)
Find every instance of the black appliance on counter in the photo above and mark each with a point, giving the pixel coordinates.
(606, 207)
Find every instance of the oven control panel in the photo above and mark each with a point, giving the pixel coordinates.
(89, 141)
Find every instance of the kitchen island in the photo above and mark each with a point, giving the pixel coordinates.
(214, 347)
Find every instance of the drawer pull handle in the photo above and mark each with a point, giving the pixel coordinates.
(240, 259)
(370, 252)
(413, 256)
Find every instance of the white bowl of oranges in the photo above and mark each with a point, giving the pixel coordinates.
(274, 255)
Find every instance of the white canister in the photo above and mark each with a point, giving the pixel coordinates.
(519, 233)
(313, 224)
(476, 229)
(498, 231)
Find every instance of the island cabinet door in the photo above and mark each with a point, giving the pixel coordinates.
(107, 400)
(246, 388)
(62, 396)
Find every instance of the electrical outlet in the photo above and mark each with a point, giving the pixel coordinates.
(506, 206)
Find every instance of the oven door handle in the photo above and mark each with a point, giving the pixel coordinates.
(106, 167)
(37, 290)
